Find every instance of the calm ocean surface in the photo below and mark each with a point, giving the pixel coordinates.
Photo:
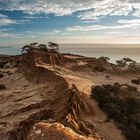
(114, 52)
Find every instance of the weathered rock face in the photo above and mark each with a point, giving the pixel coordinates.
(74, 109)
(34, 57)
(53, 131)
(59, 101)
(67, 109)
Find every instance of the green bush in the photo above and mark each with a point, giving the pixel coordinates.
(98, 68)
(121, 105)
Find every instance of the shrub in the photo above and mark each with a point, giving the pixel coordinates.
(136, 81)
(99, 68)
(121, 105)
(2, 64)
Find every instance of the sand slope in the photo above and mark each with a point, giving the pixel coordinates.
(39, 91)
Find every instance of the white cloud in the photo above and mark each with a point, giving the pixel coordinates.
(132, 24)
(54, 32)
(107, 7)
(34, 17)
(137, 13)
(115, 32)
(3, 16)
(94, 14)
(137, 10)
(123, 24)
(56, 7)
(86, 28)
(13, 35)
(90, 9)
(5, 20)
(132, 21)
(4, 33)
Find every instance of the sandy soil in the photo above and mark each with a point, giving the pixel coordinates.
(84, 81)
(99, 78)
(24, 97)
(21, 93)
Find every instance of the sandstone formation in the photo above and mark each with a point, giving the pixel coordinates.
(59, 101)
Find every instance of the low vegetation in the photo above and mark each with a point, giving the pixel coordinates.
(129, 63)
(121, 103)
(136, 81)
(51, 47)
(3, 63)
(98, 68)
(126, 62)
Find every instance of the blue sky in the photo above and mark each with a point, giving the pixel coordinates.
(69, 21)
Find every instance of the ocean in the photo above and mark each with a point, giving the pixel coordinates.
(114, 52)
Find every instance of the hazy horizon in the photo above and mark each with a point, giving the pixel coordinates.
(89, 50)
(104, 45)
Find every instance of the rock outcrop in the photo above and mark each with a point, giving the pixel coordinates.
(54, 131)
(67, 109)
(60, 101)
(34, 57)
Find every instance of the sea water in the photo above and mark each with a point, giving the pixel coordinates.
(114, 52)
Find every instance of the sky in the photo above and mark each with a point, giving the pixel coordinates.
(69, 21)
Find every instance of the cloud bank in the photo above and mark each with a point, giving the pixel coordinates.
(101, 17)
(87, 10)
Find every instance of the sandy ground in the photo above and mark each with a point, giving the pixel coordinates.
(21, 93)
(21, 99)
(99, 78)
(84, 81)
